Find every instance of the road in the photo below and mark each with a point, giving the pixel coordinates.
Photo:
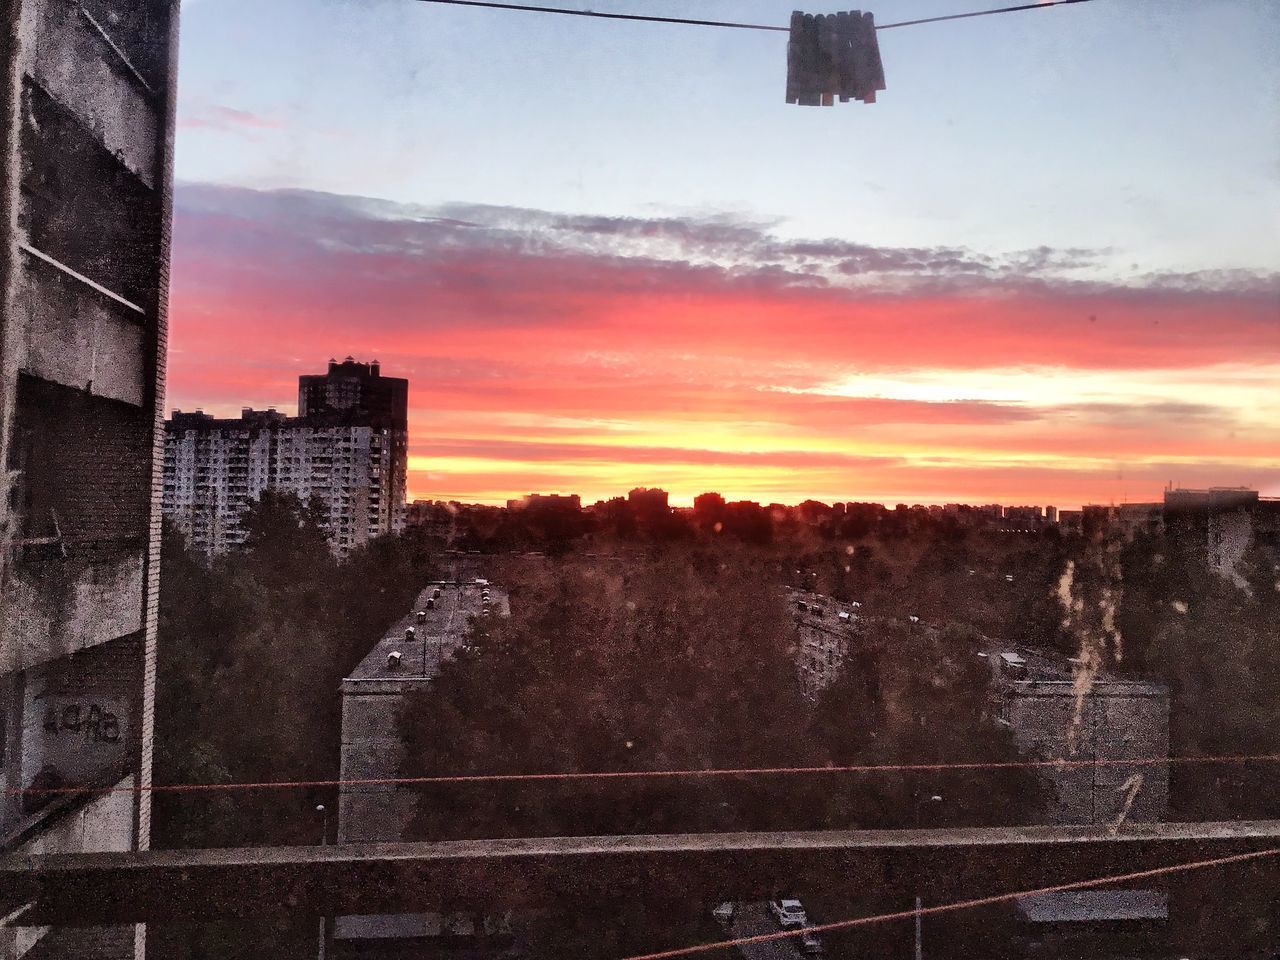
(754, 919)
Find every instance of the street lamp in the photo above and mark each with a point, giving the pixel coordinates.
(324, 840)
(920, 802)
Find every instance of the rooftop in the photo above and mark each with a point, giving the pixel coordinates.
(1095, 906)
(440, 618)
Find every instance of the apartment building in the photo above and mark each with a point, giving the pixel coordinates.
(347, 449)
(86, 123)
(1055, 712)
(828, 630)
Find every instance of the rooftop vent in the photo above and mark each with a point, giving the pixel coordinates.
(431, 603)
(422, 616)
(393, 660)
(1013, 666)
(410, 633)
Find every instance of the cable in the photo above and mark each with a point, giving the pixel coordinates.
(959, 905)
(607, 16)
(475, 778)
(646, 18)
(979, 13)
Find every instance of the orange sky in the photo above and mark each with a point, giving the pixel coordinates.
(587, 355)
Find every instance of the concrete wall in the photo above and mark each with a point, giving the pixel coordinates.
(86, 340)
(1116, 721)
(86, 122)
(69, 62)
(102, 825)
(373, 748)
(56, 607)
(80, 714)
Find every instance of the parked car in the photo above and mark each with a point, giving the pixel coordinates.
(789, 913)
(811, 946)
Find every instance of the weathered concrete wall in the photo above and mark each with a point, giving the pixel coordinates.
(86, 119)
(100, 826)
(1118, 720)
(84, 339)
(79, 720)
(373, 748)
(103, 825)
(57, 607)
(71, 64)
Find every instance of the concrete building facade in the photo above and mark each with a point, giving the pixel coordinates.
(826, 629)
(86, 122)
(348, 448)
(406, 660)
(1056, 713)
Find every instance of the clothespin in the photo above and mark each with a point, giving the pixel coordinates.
(837, 55)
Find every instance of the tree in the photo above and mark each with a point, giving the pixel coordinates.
(683, 661)
(252, 648)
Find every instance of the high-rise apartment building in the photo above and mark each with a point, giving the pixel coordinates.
(86, 134)
(347, 449)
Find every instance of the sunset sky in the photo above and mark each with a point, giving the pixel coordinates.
(1042, 269)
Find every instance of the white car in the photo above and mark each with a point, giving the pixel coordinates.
(788, 913)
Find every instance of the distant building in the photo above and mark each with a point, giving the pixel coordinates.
(1029, 514)
(646, 501)
(1054, 713)
(1071, 521)
(1229, 521)
(436, 518)
(1128, 519)
(354, 386)
(87, 94)
(405, 660)
(826, 628)
(349, 449)
(1051, 514)
(708, 503)
(537, 502)
(1212, 499)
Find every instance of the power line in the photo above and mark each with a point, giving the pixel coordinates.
(480, 778)
(979, 13)
(646, 18)
(960, 905)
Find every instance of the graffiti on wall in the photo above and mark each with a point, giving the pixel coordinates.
(92, 722)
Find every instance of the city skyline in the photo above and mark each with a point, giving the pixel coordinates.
(693, 282)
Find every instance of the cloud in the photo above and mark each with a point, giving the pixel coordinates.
(716, 347)
(222, 118)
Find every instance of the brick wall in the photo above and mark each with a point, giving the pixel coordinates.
(83, 459)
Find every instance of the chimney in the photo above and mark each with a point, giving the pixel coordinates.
(375, 369)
